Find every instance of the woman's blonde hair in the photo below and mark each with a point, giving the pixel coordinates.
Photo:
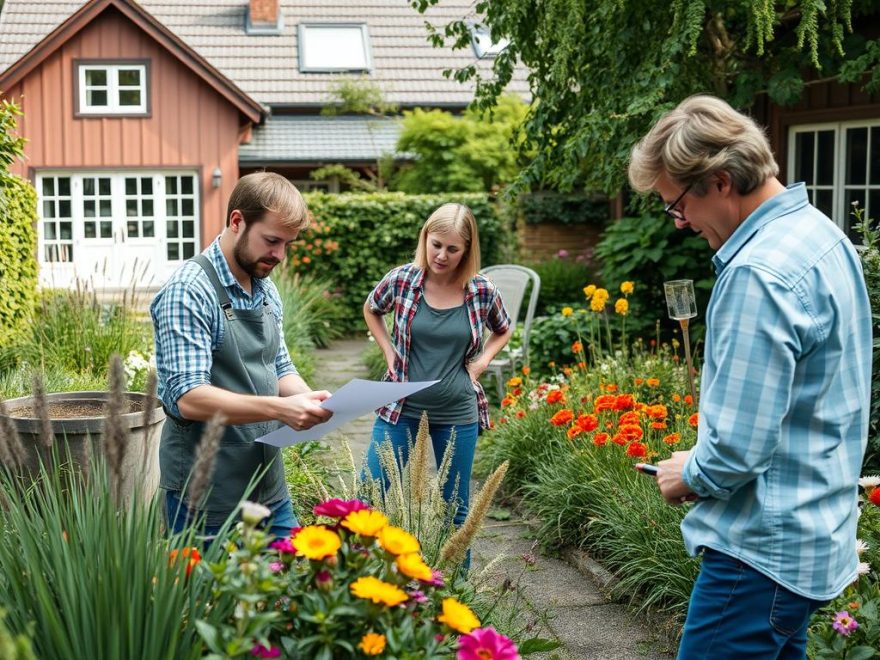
(456, 218)
(259, 192)
(703, 135)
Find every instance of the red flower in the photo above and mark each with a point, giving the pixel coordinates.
(555, 396)
(875, 496)
(191, 556)
(632, 417)
(672, 438)
(507, 401)
(694, 420)
(636, 450)
(562, 418)
(657, 426)
(337, 508)
(619, 439)
(520, 414)
(600, 439)
(588, 422)
(688, 399)
(577, 347)
(605, 402)
(574, 431)
(624, 402)
(631, 432)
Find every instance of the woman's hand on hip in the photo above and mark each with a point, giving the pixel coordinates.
(475, 369)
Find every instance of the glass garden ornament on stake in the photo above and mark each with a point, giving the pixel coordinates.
(682, 306)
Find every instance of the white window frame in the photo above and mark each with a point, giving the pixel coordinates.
(113, 106)
(484, 47)
(304, 67)
(840, 215)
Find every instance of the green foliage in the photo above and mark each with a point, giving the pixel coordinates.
(359, 96)
(562, 282)
(570, 209)
(14, 647)
(18, 250)
(605, 71)
(372, 233)
(470, 152)
(650, 250)
(311, 309)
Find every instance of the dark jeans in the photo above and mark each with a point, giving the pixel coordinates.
(736, 612)
(279, 523)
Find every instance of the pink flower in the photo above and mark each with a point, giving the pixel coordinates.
(844, 623)
(284, 546)
(337, 508)
(486, 644)
(562, 254)
(436, 579)
(276, 566)
(418, 596)
(261, 651)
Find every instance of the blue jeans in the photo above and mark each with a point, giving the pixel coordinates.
(279, 523)
(737, 612)
(404, 432)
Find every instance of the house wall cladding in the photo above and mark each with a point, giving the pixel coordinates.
(543, 241)
(189, 125)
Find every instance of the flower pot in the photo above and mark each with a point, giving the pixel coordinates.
(78, 428)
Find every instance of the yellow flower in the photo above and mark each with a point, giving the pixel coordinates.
(458, 616)
(365, 522)
(372, 643)
(626, 288)
(621, 306)
(412, 565)
(516, 381)
(597, 304)
(567, 311)
(372, 588)
(398, 541)
(601, 293)
(316, 542)
(589, 291)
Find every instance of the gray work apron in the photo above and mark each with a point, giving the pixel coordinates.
(243, 363)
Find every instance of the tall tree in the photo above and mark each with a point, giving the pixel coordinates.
(602, 71)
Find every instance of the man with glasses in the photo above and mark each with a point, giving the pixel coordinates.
(785, 388)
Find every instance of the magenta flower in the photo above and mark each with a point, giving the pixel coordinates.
(562, 254)
(844, 623)
(276, 566)
(418, 596)
(284, 546)
(486, 644)
(261, 651)
(436, 579)
(337, 508)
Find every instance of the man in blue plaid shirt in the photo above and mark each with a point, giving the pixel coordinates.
(785, 388)
(220, 349)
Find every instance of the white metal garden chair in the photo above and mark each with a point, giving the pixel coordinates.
(513, 283)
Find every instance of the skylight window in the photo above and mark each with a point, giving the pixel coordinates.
(333, 47)
(483, 44)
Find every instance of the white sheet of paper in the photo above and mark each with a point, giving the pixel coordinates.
(357, 397)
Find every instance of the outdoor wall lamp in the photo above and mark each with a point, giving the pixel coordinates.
(216, 177)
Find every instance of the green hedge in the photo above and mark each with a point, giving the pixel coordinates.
(357, 238)
(18, 260)
(566, 209)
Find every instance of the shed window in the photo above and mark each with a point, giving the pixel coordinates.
(482, 42)
(112, 89)
(333, 47)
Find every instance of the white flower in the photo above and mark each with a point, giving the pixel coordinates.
(252, 513)
(861, 546)
(870, 482)
(864, 568)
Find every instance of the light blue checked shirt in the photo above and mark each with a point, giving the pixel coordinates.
(189, 327)
(784, 401)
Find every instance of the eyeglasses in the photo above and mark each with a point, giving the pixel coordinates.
(670, 209)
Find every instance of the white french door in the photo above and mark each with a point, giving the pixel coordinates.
(115, 230)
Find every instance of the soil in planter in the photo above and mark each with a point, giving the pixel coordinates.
(74, 409)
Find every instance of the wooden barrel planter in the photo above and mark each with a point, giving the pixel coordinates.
(78, 428)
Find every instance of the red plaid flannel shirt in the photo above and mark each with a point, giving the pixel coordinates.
(401, 290)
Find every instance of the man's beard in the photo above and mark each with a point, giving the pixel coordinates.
(249, 265)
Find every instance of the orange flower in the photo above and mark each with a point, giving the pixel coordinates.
(192, 556)
(694, 420)
(555, 396)
(588, 422)
(652, 382)
(611, 387)
(631, 432)
(567, 371)
(676, 398)
(624, 402)
(636, 450)
(672, 438)
(688, 399)
(577, 347)
(582, 365)
(658, 426)
(639, 381)
(520, 414)
(605, 402)
(600, 439)
(574, 431)
(507, 401)
(619, 439)
(631, 417)
(526, 371)
(562, 418)
(657, 411)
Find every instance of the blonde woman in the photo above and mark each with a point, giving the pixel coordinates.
(442, 310)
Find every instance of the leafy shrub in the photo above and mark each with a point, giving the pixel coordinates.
(562, 281)
(18, 248)
(372, 233)
(650, 250)
(870, 257)
(566, 209)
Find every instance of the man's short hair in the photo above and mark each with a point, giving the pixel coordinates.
(703, 135)
(261, 192)
(456, 218)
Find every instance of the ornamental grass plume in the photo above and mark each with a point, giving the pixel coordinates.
(41, 410)
(206, 454)
(12, 451)
(454, 549)
(418, 471)
(114, 431)
(150, 404)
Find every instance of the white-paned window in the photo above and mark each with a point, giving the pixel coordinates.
(330, 47)
(112, 89)
(482, 42)
(56, 219)
(840, 163)
(180, 217)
